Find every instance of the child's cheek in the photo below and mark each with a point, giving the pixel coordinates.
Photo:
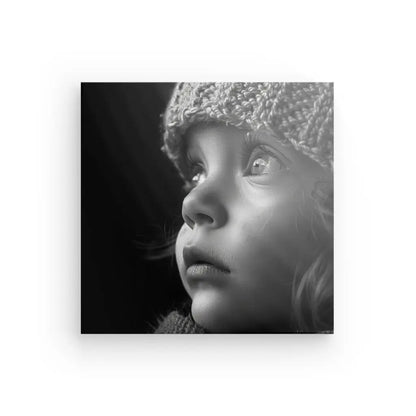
(181, 241)
(271, 227)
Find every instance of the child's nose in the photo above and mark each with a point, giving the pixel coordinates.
(204, 206)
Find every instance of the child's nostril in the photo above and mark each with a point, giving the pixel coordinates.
(203, 218)
(189, 222)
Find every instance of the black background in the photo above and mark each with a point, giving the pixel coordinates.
(130, 192)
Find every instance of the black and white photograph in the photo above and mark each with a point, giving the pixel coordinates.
(207, 207)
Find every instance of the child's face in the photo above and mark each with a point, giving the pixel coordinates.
(249, 215)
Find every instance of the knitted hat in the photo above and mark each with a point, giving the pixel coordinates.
(296, 113)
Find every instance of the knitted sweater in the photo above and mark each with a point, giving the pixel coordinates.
(177, 323)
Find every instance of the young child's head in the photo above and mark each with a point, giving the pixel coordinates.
(255, 250)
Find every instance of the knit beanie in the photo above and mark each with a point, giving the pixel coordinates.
(300, 114)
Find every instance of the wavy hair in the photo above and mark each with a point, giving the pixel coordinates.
(313, 288)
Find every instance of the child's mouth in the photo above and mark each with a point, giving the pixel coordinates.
(204, 271)
(203, 263)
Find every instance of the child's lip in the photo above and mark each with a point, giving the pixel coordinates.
(203, 260)
(205, 272)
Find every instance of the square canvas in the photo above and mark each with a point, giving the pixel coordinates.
(207, 208)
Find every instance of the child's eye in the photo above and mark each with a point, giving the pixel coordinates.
(263, 163)
(198, 175)
(260, 166)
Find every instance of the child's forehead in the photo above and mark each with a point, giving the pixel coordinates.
(205, 134)
(202, 137)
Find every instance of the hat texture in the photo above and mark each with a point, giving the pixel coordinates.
(297, 113)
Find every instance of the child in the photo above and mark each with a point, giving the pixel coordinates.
(255, 252)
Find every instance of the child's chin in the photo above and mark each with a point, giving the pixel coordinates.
(213, 314)
(218, 313)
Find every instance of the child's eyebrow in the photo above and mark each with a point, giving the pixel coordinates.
(254, 139)
(190, 151)
(188, 147)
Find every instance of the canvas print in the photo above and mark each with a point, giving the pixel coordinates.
(207, 208)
